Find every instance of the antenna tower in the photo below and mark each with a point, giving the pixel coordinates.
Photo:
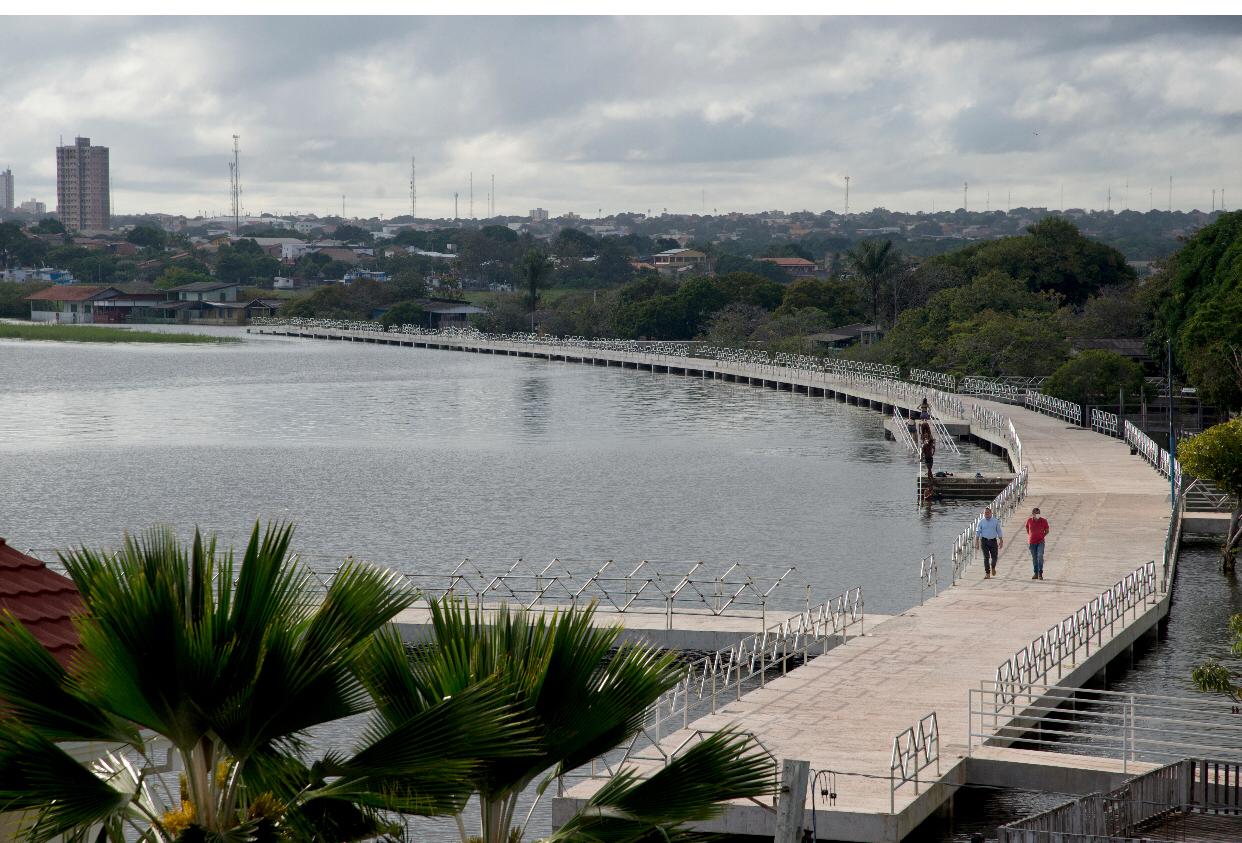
(472, 194)
(492, 212)
(454, 204)
(1170, 194)
(414, 187)
(1109, 206)
(847, 196)
(965, 196)
(1213, 200)
(235, 183)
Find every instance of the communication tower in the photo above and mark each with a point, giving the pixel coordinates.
(414, 187)
(235, 183)
(847, 196)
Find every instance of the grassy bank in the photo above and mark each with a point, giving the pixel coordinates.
(100, 333)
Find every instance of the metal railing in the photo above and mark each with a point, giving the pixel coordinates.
(937, 379)
(903, 431)
(914, 750)
(1157, 457)
(989, 418)
(929, 577)
(1163, 797)
(1104, 422)
(989, 388)
(730, 673)
(1050, 406)
(1203, 496)
(943, 437)
(1090, 625)
(965, 546)
(669, 587)
(1129, 727)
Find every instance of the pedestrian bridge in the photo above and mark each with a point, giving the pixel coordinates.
(946, 693)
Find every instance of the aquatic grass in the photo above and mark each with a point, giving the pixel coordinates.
(101, 333)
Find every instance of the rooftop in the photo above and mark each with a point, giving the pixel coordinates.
(203, 287)
(43, 600)
(71, 292)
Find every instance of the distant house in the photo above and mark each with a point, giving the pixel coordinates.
(206, 291)
(136, 303)
(796, 267)
(70, 303)
(848, 335)
(674, 261)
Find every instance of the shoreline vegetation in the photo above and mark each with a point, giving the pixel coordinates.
(101, 333)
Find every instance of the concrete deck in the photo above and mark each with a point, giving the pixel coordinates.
(1109, 512)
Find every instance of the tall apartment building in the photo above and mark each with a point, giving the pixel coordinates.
(6, 191)
(82, 198)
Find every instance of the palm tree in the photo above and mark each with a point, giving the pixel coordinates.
(583, 696)
(873, 261)
(231, 666)
(534, 268)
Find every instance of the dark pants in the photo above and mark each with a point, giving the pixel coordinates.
(989, 555)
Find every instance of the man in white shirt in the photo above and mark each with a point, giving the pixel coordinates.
(991, 539)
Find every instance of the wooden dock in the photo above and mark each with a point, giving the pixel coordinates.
(1109, 514)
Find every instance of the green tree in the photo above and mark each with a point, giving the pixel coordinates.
(1094, 377)
(873, 262)
(1216, 455)
(352, 234)
(231, 665)
(146, 236)
(534, 268)
(583, 695)
(1001, 344)
(404, 313)
(49, 225)
(837, 299)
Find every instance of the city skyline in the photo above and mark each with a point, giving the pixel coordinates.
(690, 115)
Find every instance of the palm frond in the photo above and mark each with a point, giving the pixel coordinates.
(691, 788)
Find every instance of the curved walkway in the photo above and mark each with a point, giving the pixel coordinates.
(1109, 514)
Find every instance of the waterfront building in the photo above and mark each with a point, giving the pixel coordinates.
(6, 191)
(83, 198)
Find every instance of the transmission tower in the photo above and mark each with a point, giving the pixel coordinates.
(472, 194)
(414, 187)
(847, 196)
(235, 183)
(965, 196)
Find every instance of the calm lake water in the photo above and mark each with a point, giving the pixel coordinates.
(418, 459)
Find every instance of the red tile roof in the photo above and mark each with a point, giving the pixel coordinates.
(40, 598)
(789, 261)
(68, 292)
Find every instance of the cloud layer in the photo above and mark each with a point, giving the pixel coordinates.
(629, 113)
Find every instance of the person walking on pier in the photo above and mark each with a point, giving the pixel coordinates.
(1036, 531)
(929, 450)
(991, 539)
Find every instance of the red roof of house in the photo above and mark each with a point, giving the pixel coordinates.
(43, 600)
(789, 261)
(68, 292)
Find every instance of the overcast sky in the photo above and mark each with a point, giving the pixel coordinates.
(578, 114)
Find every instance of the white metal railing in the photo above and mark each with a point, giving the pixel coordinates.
(1156, 456)
(1202, 496)
(903, 431)
(936, 379)
(669, 587)
(989, 388)
(989, 418)
(1111, 724)
(914, 750)
(943, 437)
(929, 577)
(1103, 422)
(965, 546)
(1050, 406)
(1060, 646)
(1015, 445)
(948, 404)
(727, 674)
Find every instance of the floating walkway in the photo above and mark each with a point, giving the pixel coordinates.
(901, 716)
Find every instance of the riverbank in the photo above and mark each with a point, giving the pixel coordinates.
(101, 333)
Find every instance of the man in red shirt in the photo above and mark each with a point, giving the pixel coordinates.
(1036, 531)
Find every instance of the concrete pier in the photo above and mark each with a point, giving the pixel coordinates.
(1109, 513)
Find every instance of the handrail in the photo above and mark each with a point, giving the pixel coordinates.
(914, 749)
(903, 426)
(1034, 663)
(1002, 506)
(1057, 407)
(1104, 422)
(929, 577)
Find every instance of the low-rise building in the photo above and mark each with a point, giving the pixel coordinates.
(674, 261)
(848, 335)
(73, 304)
(795, 267)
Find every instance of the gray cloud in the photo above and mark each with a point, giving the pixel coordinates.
(626, 113)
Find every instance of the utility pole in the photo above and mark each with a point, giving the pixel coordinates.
(472, 194)
(1009, 201)
(1170, 194)
(454, 205)
(342, 206)
(493, 211)
(1062, 196)
(987, 201)
(1213, 200)
(966, 196)
(791, 802)
(847, 196)
(1109, 206)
